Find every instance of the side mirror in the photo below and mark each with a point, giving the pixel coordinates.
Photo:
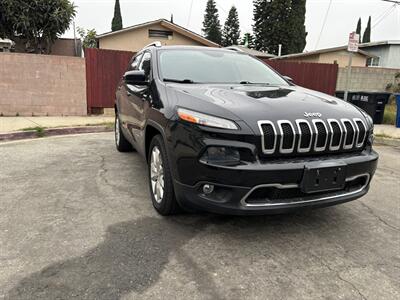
(287, 78)
(135, 77)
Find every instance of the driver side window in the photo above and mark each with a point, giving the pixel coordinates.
(145, 64)
(135, 62)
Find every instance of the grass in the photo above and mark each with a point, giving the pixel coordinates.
(390, 112)
(39, 130)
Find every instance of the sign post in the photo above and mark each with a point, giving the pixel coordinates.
(351, 47)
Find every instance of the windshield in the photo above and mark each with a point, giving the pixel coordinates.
(210, 66)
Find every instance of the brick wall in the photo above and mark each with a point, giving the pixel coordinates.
(42, 85)
(369, 79)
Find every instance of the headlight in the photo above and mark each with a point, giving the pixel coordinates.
(206, 120)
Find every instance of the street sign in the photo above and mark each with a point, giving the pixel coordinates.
(353, 42)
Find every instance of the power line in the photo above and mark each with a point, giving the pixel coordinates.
(190, 14)
(392, 8)
(323, 24)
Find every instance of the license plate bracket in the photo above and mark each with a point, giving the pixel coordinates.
(323, 177)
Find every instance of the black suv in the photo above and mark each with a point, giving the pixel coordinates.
(223, 132)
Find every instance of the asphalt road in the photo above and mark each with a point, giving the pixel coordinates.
(76, 221)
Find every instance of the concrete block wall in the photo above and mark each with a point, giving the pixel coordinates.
(369, 79)
(41, 85)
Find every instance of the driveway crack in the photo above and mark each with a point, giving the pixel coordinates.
(339, 276)
(371, 211)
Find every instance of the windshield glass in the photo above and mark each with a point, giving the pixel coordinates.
(210, 66)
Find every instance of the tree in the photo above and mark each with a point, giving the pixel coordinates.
(231, 32)
(297, 31)
(248, 40)
(117, 20)
(88, 37)
(358, 30)
(271, 25)
(211, 24)
(367, 33)
(280, 22)
(37, 24)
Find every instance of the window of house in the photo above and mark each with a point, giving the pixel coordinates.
(373, 62)
(160, 33)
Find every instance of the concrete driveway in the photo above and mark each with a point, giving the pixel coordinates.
(76, 221)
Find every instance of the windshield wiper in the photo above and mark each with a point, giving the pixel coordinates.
(178, 80)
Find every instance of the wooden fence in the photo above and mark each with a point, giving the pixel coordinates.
(104, 69)
(315, 76)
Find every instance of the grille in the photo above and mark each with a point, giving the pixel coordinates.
(321, 136)
(336, 134)
(362, 131)
(269, 137)
(287, 136)
(312, 136)
(349, 140)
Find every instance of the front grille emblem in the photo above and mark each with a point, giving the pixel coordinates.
(312, 115)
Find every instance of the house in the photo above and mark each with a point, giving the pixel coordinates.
(253, 52)
(338, 55)
(134, 38)
(387, 53)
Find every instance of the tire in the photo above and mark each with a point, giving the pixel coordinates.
(163, 197)
(121, 143)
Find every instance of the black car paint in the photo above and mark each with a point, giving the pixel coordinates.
(145, 110)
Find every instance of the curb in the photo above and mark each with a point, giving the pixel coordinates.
(20, 135)
(387, 141)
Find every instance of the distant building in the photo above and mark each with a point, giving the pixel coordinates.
(338, 55)
(134, 38)
(387, 54)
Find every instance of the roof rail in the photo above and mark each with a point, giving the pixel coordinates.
(233, 48)
(153, 44)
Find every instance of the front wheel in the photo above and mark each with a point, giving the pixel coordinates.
(160, 179)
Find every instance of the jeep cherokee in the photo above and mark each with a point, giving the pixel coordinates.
(223, 132)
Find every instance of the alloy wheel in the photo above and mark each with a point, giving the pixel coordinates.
(157, 174)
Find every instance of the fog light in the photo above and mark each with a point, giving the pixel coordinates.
(208, 189)
(221, 156)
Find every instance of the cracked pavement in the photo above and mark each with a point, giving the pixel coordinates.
(76, 221)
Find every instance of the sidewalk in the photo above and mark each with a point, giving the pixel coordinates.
(11, 124)
(387, 131)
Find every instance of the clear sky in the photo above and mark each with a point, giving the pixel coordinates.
(341, 19)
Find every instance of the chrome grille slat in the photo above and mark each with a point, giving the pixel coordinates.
(331, 147)
(350, 145)
(299, 148)
(265, 150)
(356, 121)
(316, 135)
(282, 135)
(321, 148)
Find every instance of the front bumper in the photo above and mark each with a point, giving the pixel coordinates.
(235, 199)
(241, 189)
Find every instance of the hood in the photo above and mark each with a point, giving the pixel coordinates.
(252, 103)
